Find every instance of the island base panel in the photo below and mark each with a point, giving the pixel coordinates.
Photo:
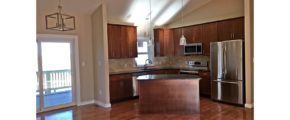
(169, 96)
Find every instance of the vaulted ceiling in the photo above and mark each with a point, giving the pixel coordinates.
(128, 11)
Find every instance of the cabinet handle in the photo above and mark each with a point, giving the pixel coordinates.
(233, 35)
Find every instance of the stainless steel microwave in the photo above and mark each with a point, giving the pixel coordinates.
(193, 48)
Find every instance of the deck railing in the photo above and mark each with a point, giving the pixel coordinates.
(55, 81)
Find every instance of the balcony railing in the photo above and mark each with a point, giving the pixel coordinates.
(56, 81)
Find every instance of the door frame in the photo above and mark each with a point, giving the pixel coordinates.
(73, 39)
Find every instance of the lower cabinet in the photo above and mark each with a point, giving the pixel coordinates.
(204, 84)
(169, 71)
(120, 87)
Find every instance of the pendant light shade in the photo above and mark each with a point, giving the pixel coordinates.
(149, 31)
(182, 40)
(60, 21)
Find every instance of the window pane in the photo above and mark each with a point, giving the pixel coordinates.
(142, 46)
(140, 60)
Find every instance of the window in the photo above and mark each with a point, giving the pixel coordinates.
(143, 52)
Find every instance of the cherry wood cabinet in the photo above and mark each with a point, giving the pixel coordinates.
(158, 42)
(162, 41)
(209, 34)
(132, 41)
(196, 32)
(231, 29)
(204, 84)
(178, 49)
(114, 41)
(165, 71)
(120, 87)
(122, 41)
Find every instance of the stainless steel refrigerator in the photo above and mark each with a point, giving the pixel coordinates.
(227, 71)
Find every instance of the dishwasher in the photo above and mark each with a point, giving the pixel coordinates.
(135, 82)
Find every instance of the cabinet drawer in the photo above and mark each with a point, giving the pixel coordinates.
(120, 76)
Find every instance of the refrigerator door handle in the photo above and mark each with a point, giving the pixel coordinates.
(226, 82)
(225, 59)
(223, 66)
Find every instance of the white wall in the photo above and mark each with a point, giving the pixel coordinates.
(249, 53)
(83, 31)
(213, 11)
(100, 53)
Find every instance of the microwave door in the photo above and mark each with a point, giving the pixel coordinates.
(194, 49)
(198, 49)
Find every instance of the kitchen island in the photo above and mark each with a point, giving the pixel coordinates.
(169, 93)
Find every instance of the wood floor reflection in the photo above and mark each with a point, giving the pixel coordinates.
(128, 110)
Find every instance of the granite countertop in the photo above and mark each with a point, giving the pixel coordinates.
(168, 77)
(136, 70)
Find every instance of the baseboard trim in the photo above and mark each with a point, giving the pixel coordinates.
(249, 105)
(105, 105)
(86, 103)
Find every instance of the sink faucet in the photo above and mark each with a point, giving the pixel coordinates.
(147, 62)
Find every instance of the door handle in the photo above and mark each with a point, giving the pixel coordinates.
(226, 82)
(223, 69)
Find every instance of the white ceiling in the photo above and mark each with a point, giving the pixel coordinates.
(128, 11)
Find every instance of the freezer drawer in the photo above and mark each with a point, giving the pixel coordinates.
(231, 92)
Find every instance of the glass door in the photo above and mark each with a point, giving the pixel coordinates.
(55, 83)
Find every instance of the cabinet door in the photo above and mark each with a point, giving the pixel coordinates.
(124, 49)
(132, 41)
(162, 41)
(178, 49)
(115, 90)
(157, 72)
(225, 29)
(158, 42)
(121, 87)
(205, 85)
(168, 43)
(127, 88)
(172, 71)
(196, 34)
(209, 34)
(187, 31)
(114, 33)
(239, 28)
(231, 29)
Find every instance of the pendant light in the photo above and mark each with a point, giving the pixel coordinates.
(182, 40)
(60, 21)
(149, 32)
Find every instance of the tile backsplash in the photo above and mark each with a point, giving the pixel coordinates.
(159, 62)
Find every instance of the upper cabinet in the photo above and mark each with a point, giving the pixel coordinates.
(122, 41)
(178, 49)
(209, 34)
(231, 29)
(162, 41)
(114, 33)
(196, 32)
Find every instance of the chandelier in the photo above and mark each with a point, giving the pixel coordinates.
(60, 21)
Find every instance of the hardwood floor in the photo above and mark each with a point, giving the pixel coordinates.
(128, 110)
